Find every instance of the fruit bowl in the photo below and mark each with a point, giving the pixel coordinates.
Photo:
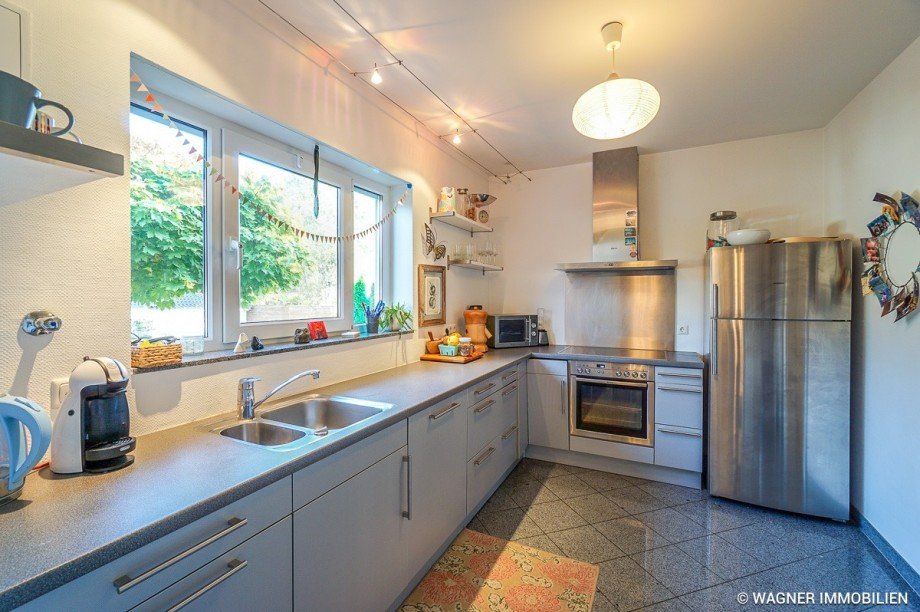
(748, 236)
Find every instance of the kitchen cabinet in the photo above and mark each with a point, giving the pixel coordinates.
(679, 418)
(256, 575)
(351, 544)
(522, 410)
(437, 477)
(548, 403)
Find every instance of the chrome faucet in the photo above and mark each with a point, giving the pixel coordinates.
(245, 399)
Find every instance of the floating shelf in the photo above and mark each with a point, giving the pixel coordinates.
(619, 266)
(457, 220)
(473, 265)
(33, 164)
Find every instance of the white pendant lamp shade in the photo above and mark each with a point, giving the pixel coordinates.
(616, 108)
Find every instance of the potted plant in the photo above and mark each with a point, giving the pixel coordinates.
(397, 316)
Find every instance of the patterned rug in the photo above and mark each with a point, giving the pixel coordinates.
(481, 573)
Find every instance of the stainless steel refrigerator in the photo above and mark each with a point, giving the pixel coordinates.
(779, 425)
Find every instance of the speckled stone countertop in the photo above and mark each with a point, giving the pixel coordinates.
(65, 526)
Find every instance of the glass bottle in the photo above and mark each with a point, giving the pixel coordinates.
(721, 223)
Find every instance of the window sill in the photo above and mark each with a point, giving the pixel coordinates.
(273, 349)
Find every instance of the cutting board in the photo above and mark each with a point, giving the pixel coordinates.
(446, 359)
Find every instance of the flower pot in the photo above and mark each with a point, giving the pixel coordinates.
(394, 325)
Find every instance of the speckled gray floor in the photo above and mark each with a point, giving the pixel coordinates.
(663, 547)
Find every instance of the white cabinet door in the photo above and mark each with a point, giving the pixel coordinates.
(437, 472)
(548, 410)
(351, 544)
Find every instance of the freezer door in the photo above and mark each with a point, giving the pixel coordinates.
(808, 280)
(780, 415)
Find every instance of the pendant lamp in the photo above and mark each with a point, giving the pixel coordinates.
(617, 107)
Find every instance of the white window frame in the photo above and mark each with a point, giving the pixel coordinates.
(384, 237)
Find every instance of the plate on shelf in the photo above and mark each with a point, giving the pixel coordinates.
(481, 199)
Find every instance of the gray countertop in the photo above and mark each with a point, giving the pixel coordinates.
(65, 526)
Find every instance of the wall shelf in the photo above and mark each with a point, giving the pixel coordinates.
(473, 265)
(33, 164)
(457, 220)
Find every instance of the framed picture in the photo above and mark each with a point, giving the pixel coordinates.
(317, 330)
(432, 295)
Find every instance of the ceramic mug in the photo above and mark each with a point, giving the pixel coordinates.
(19, 100)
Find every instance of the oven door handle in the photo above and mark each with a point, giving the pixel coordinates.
(611, 383)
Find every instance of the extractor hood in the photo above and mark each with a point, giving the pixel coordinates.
(615, 217)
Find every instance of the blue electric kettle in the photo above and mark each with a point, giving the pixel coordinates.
(17, 414)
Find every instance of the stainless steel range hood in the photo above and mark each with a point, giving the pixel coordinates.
(615, 217)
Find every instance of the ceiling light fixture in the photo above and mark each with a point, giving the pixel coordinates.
(456, 139)
(376, 79)
(617, 107)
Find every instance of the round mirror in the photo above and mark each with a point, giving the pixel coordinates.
(902, 254)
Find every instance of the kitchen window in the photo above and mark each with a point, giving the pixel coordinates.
(240, 272)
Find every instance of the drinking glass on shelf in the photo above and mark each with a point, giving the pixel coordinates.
(469, 251)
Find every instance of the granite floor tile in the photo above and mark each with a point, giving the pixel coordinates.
(595, 508)
(554, 516)
(543, 469)
(766, 548)
(634, 500)
(631, 535)
(676, 570)
(586, 544)
(510, 524)
(720, 557)
(500, 500)
(720, 598)
(673, 494)
(719, 515)
(542, 542)
(476, 525)
(671, 605)
(602, 604)
(626, 585)
(604, 481)
(574, 469)
(672, 525)
(530, 493)
(568, 486)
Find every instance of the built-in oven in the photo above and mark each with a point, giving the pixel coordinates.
(613, 402)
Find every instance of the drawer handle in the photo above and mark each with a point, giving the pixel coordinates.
(509, 375)
(680, 375)
(407, 513)
(488, 453)
(692, 434)
(438, 415)
(510, 390)
(508, 433)
(126, 582)
(681, 389)
(235, 566)
(484, 389)
(485, 406)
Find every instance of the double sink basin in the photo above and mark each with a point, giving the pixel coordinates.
(306, 420)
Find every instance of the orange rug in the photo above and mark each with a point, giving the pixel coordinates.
(482, 573)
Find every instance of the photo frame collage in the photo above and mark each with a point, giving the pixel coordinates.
(900, 299)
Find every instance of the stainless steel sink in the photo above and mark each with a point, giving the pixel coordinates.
(263, 434)
(323, 413)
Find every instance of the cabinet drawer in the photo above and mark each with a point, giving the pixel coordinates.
(326, 474)
(256, 575)
(557, 367)
(680, 405)
(485, 388)
(490, 417)
(679, 376)
(507, 377)
(149, 570)
(485, 469)
(679, 447)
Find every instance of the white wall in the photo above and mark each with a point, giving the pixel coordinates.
(69, 251)
(774, 182)
(874, 145)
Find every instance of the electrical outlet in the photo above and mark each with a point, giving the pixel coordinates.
(684, 329)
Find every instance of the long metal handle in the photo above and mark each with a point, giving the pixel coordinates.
(510, 390)
(509, 375)
(694, 434)
(488, 453)
(565, 396)
(126, 582)
(438, 415)
(679, 375)
(407, 514)
(715, 301)
(714, 347)
(484, 406)
(235, 566)
(681, 389)
(483, 389)
(508, 433)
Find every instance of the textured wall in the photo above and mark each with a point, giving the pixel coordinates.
(69, 251)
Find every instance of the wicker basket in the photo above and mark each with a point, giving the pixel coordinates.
(155, 356)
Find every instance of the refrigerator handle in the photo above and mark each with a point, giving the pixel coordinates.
(715, 301)
(713, 347)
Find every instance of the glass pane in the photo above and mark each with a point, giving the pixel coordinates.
(286, 278)
(611, 409)
(167, 229)
(368, 209)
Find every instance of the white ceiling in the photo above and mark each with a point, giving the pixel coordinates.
(726, 69)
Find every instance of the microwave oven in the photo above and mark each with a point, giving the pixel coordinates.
(512, 330)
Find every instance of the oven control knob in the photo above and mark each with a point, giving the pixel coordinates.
(619, 373)
(635, 375)
(643, 375)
